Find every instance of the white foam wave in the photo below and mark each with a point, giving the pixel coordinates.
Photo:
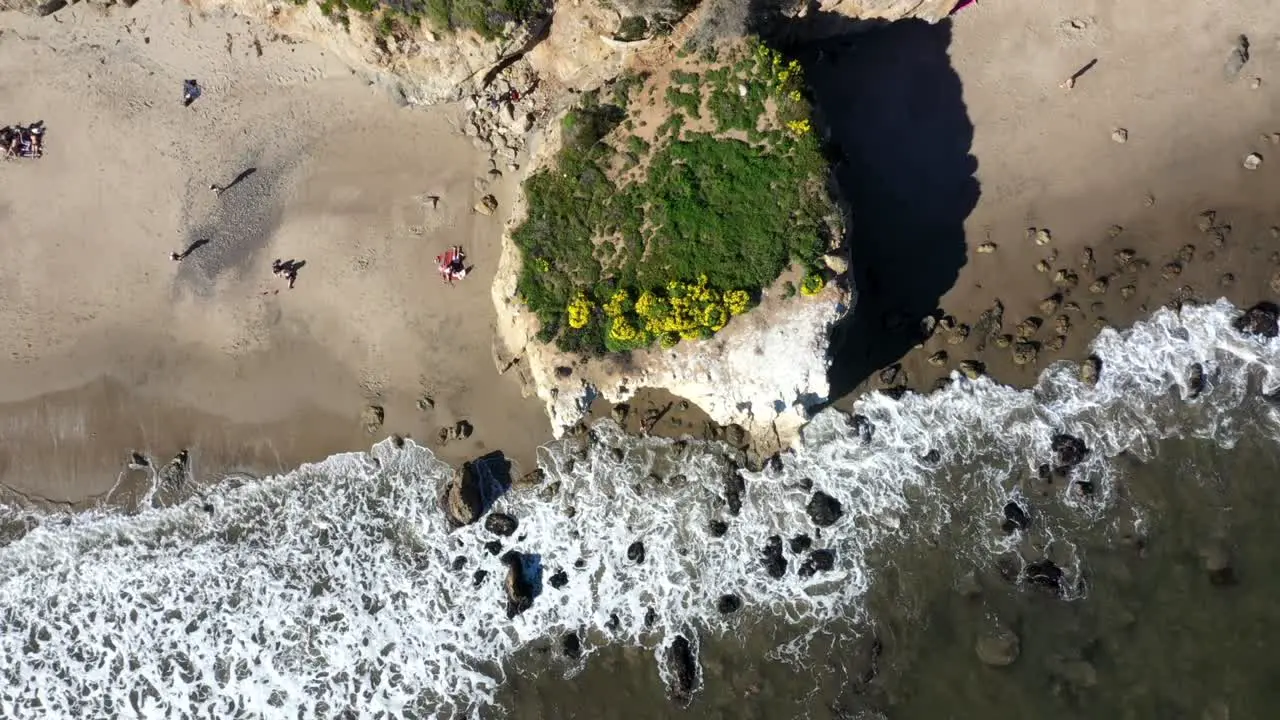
(331, 591)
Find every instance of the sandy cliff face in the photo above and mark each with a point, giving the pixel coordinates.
(927, 10)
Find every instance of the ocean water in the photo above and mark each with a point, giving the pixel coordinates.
(338, 590)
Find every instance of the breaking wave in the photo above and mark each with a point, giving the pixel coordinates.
(338, 590)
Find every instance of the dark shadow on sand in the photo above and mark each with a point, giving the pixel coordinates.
(899, 141)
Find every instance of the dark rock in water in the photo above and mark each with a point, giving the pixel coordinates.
(1010, 567)
(474, 488)
(1015, 518)
(614, 622)
(734, 487)
(736, 435)
(137, 460)
(718, 528)
(1068, 451)
(1195, 381)
(650, 617)
(1090, 370)
(823, 509)
(618, 454)
(818, 561)
(571, 646)
(635, 552)
(501, 524)
(801, 543)
(1261, 319)
(774, 463)
(729, 603)
(580, 563)
(524, 581)
(862, 427)
(493, 547)
(1045, 574)
(932, 457)
(1044, 472)
(894, 393)
(459, 562)
(682, 668)
(477, 578)
(805, 484)
(1084, 487)
(775, 564)
(559, 579)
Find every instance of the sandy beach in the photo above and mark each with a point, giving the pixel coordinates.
(110, 345)
(963, 128)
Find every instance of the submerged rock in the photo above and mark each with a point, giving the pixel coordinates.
(823, 509)
(800, 543)
(523, 582)
(728, 603)
(559, 579)
(571, 646)
(473, 489)
(1217, 561)
(1261, 319)
(1015, 518)
(174, 472)
(862, 427)
(818, 561)
(683, 671)
(501, 524)
(734, 488)
(998, 647)
(1068, 451)
(775, 564)
(1195, 380)
(1090, 369)
(718, 528)
(1044, 574)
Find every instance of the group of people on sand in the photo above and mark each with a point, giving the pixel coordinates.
(25, 141)
(453, 264)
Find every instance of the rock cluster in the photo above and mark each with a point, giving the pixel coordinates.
(500, 117)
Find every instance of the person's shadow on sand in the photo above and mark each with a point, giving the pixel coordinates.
(899, 142)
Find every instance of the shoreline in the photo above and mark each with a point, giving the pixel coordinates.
(265, 384)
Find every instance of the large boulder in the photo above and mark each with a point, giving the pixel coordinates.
(682, 671)
(823, 509)
(1261, 319)
(927, 10)
(474, 488)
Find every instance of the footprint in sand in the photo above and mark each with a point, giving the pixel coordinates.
(1076, 28)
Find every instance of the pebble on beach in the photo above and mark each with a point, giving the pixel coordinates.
(1120, 136)
(1252, 161)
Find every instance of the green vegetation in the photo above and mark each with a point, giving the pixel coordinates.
(631, 241)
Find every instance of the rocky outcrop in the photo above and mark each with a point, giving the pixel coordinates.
(927, 10)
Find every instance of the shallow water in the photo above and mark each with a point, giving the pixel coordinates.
(337, 590)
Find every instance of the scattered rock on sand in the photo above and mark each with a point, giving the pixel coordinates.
(1099, 286)
(1056, 343)
(823, 509)
(1237, 58)
(1205, 221)
(1050, 305)
(1062, 324)
(1227, 280)
(1135, 266)
(1128, 291)
(1042, 266)
(1066, 279)
(998, 647)
(1255, 83)
(1252, 161)
(1028, 327)
(1041, 236)
(1261, 319)
(938, 359)
(986, 248)
(958, 334)
(1114, 231)
(1003, 341)
(1090, 370)
(1086, 259)
(1186, 253)
(972, 369)
(426, 402)
(501, 524)
(487, 205)
(1275, 232)
(1275, 283)
(1171, 270)
(1120, 135)
(371, 418)
(1025, 352)
(1124, 255)
(1071, 307)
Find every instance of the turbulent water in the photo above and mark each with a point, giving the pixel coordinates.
(338, 590)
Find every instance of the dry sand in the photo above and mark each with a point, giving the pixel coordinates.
(1044, 156)
(108, 344)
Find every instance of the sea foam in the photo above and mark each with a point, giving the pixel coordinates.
(335, 590)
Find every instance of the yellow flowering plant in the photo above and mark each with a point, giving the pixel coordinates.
(812, 285)
(579, 311)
